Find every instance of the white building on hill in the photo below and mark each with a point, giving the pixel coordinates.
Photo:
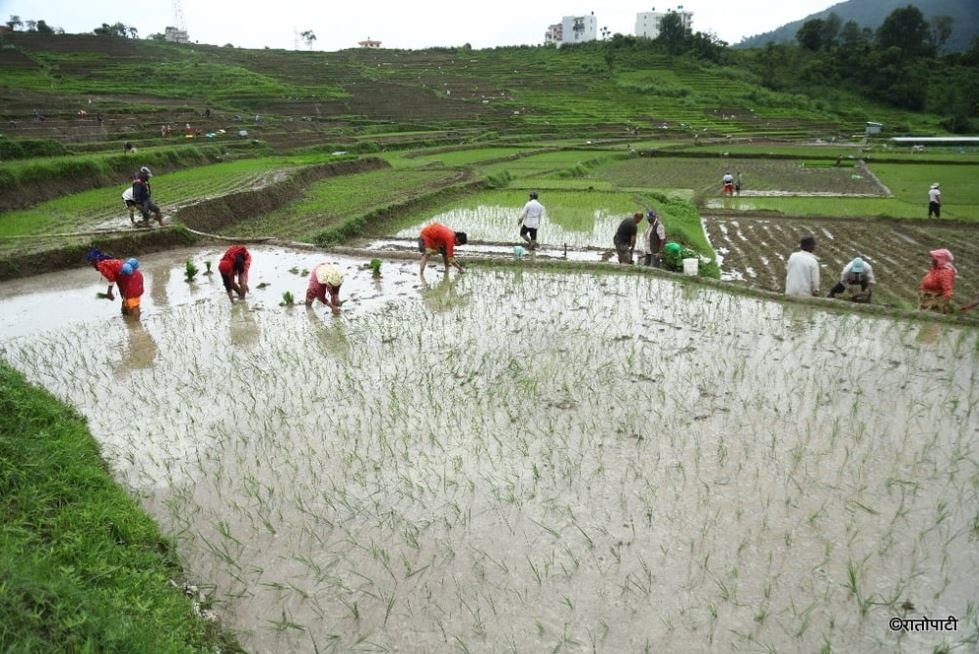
(648, 22)
(175, 35)
(573, 29)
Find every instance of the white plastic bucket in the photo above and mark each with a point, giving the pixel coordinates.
(690, 267)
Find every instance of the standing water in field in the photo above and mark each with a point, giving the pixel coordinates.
(535, 461)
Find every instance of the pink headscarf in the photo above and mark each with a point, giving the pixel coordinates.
(943, 259)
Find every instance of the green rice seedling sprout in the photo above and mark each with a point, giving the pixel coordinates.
(190, 271)
(207, 268)
(375, 267)
(288, 299)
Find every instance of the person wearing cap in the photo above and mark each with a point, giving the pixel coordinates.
(529, 220)
(107, 266)
(436, 238)
(802, 270)
(142, 196)
(234, 267)
(654, 239)
(625, 237)
(935, 201)
(130, 283)
(938, 284)
(326, 278)
(856, 281)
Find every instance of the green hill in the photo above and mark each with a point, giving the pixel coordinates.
(871, 13)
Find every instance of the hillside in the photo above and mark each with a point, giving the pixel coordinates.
(871, 13)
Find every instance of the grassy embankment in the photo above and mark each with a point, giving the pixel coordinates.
(82, 568)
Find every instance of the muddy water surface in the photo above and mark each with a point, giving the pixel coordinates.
(529, 461)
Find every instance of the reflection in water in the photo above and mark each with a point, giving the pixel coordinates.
(928, 334)
(330, 333)
(159, 279)
(799, 318)
(140, 352)
(243, 329)
(442, 296)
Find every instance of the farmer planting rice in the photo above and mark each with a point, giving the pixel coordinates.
(107, 266)
(938, 284)
(130, 282)
(438, 239)
(802, 271)
(728, 183)
(529, 220)
(625, 238)
(856, 281)
(234, 267)
(326, 278)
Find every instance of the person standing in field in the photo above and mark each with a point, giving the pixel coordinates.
(935, 201)
(326, 278)
(727, 182)
(234, 267)
(625, 238)
(127, 199)
(143, 196)
(655, 239)
(856, 281)
(107, 266)
(737, 183)
(436, 238)
(802, 270)
(130, 282)
(938, 285)
(529, 220)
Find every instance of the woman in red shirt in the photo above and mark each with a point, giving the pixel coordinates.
(938, 284)
(439, 239)
(234, 267)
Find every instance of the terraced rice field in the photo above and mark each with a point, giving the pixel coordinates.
(428, 472)
(755, 249)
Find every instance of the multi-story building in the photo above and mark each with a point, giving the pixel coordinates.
(572, 29)
(175, 35)
(553, 34)
(648, 22)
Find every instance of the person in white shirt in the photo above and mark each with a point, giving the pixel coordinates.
(529, 220)
(127, 198)
(802, 271)
(935, 200)
(856, 281)
(728, 181)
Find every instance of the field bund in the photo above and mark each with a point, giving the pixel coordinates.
(529, 460)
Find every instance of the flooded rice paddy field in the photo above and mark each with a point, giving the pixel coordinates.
(754, 250)
(531, 461)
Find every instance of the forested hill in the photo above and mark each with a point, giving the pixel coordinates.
(871, 13)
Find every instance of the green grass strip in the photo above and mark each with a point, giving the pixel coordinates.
(82, 568)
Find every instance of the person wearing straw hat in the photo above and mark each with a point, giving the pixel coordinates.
(436, 238)
(856, 282)
(325, 279)
(234, 267)
(935, 200)
(938, 284)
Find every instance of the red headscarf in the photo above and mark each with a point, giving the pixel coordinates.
(943, 259)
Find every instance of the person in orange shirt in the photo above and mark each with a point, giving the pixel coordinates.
(439, 239)
(234, 267)
(938, 284)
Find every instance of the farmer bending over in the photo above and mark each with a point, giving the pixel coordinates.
(234, 267)
(130, 284)
(107, 266)
(938, 284)
(439, 239)
(856, 281)
(625, 237)
(326, 278)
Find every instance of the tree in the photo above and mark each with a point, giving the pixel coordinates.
(672, 33)
(43, 28)
(14, 22)
(810, 35)
(31, 25)
(133, 33)
(831, 31)
(907, 30)
(941, 29)
(111, 30)
(308, 37)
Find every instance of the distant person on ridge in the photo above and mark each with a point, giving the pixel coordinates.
(234, 267)
(935, 201)
(326, 278)
(143, 196)
(856, 282)
(802, 270)
(737, 183)
(436, 238)
(938, 285)
(529, 220)
(625, 238)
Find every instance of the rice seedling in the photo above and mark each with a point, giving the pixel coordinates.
(190, 271)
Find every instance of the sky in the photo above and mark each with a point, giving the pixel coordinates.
(396, 23)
